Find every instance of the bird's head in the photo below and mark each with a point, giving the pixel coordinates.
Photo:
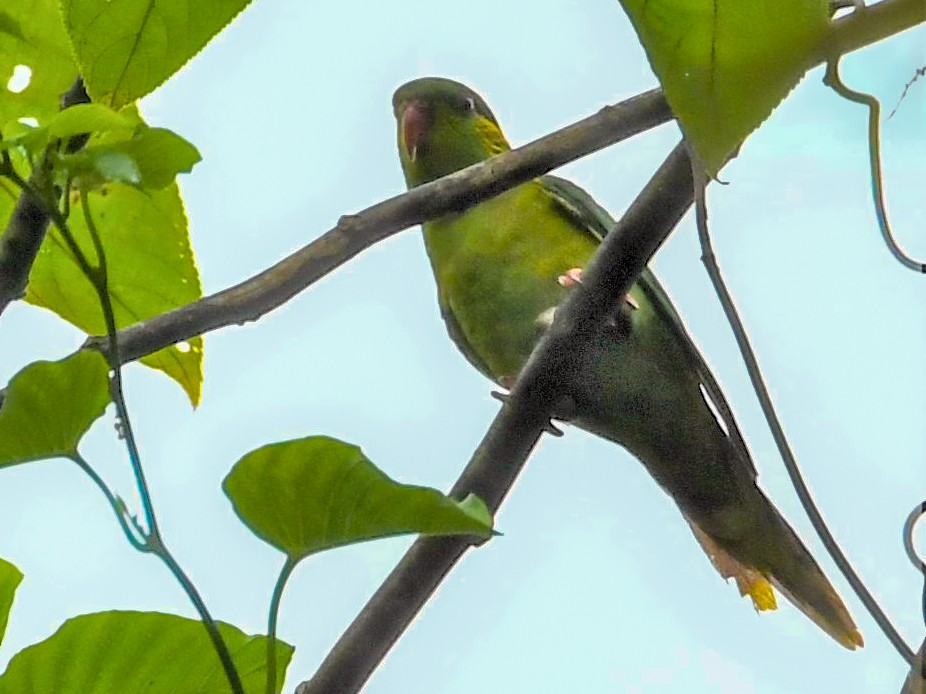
(443, 126)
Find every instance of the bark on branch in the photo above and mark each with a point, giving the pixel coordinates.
(25, 231)
(273, 287)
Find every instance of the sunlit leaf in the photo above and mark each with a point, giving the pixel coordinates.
(151, 270)
(50, 405)
(726, 64)
(160, 154)
(89, 118)
(10, 578)
(122, 149)
(135, 653)
(94, 167)
(312, 494)
(10, 26)
(126, 48)
(32, 35)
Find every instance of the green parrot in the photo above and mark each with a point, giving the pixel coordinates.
(502, 267)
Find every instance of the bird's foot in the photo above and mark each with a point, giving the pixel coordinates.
(570, 278)
(573, 277)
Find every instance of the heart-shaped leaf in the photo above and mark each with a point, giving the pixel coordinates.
(135, 653)
(50, 405)
(316, 493)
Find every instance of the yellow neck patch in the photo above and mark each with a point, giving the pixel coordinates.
(491, 136)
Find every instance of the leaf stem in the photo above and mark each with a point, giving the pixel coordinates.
(834, 81)
(100, 279)
(134, 534)
(272, 614)
(918, 512)
(155, 543)
(212, 628)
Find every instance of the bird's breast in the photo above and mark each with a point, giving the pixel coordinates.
(497, 267)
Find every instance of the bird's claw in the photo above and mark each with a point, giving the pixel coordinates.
(549, 427)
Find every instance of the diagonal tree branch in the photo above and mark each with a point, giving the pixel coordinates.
(867, 25)
(268, 290)
(271, 288)
(516, 429)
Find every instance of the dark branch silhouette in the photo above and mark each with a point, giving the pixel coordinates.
(516, 429)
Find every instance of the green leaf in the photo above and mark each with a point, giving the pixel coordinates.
(725, 65)
(135, 653)
(151, 270)
(317, 493)
(150, 159)
(32, 34)
(89, 118)
(122, 149)
(76, 120)
(94, 167)
(10, 26)
(160, 154)
(26, 138)
(50, 405)
(126, 48)
(10, 578)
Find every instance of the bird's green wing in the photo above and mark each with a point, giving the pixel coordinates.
(459, 339)
(582, 209)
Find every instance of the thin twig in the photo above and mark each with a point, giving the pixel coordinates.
(99, 276)
(919, 72)
(100, 279)
(834, 81)
(768, 409)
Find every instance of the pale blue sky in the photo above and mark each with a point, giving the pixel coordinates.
(597, 585)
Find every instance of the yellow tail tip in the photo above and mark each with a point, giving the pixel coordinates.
(758, 589)
(830, 614)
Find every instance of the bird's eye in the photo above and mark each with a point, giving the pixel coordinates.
(469, 105)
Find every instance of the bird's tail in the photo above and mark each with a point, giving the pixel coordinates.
(773, 555)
